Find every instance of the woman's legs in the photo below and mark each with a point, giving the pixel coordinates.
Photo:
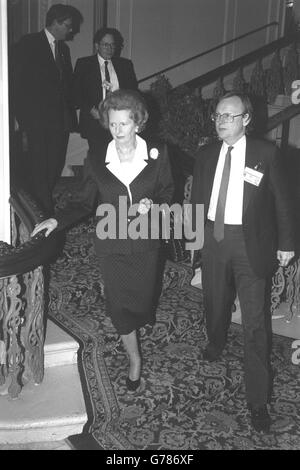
(131, 346)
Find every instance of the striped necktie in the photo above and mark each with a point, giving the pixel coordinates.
(107, 77)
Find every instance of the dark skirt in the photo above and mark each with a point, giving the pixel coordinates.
(130, 287)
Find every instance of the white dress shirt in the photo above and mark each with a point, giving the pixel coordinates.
(51, 40)
(235, 193)
(112, 74)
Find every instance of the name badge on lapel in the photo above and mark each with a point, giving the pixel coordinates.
(252, 176)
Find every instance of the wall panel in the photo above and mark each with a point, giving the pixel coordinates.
(160, 33)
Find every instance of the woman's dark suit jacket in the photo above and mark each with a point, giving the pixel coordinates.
(101, 186)
(267, 211)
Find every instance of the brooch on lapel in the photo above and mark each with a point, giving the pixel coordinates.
(154, 153)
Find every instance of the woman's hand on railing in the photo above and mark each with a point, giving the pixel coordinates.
(49, 225)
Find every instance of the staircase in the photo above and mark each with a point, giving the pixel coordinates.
(53, 410)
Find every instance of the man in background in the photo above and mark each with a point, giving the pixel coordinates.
(94, 77)
(41, 77)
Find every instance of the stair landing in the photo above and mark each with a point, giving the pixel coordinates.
(53, 410)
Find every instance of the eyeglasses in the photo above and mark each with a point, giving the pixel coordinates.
(226, 117)
(68, 25)
(107, 44)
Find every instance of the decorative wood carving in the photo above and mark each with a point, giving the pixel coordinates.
(22, 298)
(11, 327)
(33, 331)
(286, 288)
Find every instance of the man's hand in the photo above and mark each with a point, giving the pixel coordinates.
(95, 113)
(284, 257)
(107, 85)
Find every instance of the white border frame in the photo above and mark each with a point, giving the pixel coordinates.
(4, 130)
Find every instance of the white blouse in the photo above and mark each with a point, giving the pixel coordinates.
(126, 172)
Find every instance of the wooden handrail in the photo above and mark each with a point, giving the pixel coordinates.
(34, 252)
(28, 256)
(282, 116)
(201, 54)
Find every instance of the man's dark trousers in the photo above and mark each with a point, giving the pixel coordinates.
(46, 150)
(42, 104)
(226, 270)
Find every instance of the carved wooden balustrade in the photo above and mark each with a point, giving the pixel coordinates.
(22, 297)
(285, 295)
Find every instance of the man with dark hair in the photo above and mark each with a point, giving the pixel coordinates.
(249, 223)
(94, 77)
(42, 101)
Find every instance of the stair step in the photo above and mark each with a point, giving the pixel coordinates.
(60, 348)
(51, 411)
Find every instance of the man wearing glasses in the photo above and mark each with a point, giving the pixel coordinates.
(42, 101)
(249, 222)
(94, 77)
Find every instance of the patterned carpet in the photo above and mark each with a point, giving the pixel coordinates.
(183, 402)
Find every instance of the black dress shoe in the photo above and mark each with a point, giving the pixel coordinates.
(260, 419)
(132, 385)
(209, 355)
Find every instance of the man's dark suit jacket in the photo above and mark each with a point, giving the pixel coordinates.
(87, 88)
(267, 210)
(40, 99)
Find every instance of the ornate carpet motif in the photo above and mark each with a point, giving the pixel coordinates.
(183, 402)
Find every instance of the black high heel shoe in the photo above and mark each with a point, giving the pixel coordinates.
(132, 385)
